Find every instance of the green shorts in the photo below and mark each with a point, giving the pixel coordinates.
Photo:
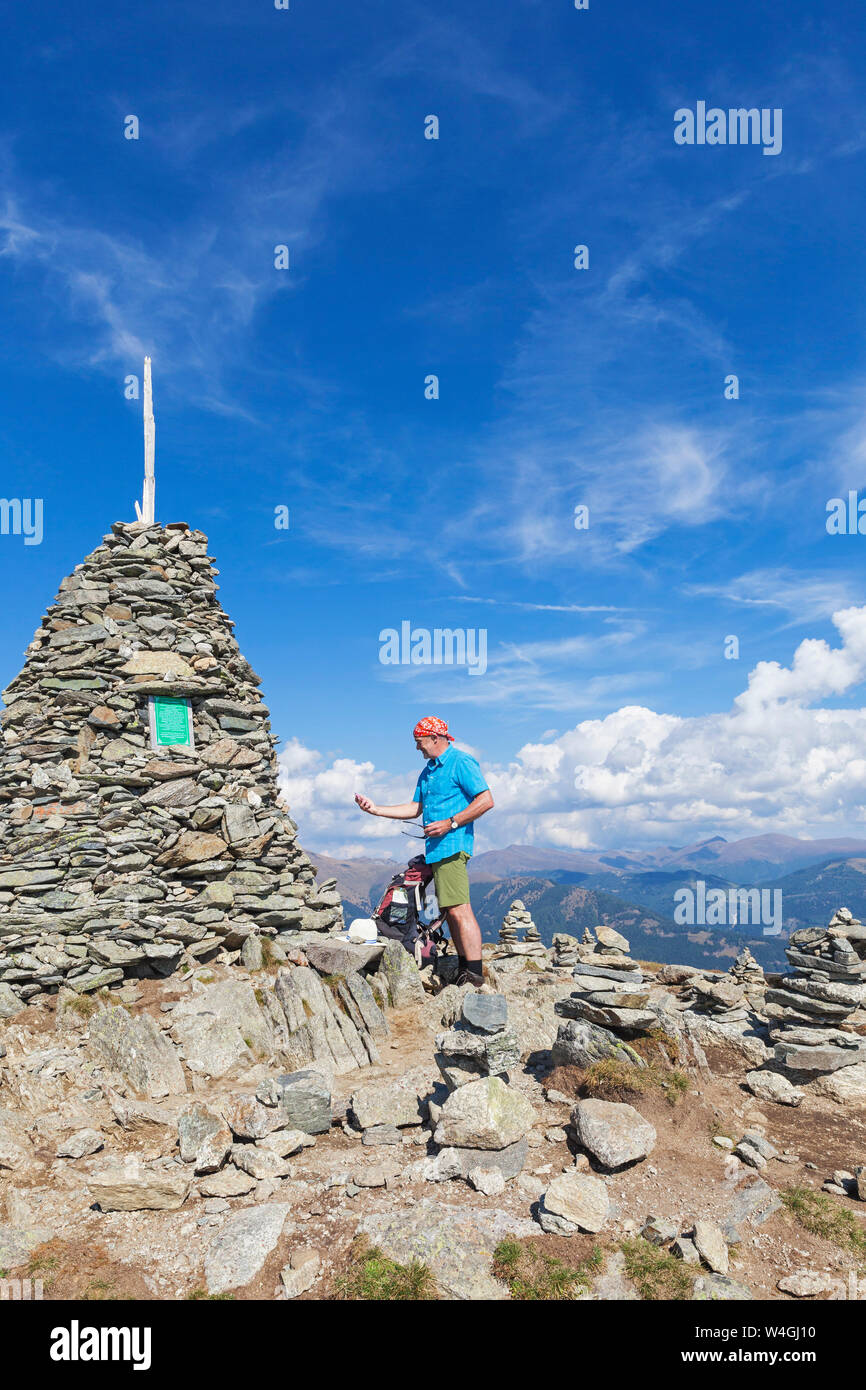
(451, 880)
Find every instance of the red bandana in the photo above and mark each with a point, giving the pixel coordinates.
(431, 727)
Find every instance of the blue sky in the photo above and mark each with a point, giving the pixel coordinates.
(558, 386)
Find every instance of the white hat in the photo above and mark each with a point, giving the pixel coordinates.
(363, 929)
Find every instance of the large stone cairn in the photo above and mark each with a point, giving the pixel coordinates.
(482, 1126)
(114, 858)
(814, 1009)
(610, 989)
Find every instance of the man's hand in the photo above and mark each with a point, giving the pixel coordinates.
(366, 804)
(437, 828)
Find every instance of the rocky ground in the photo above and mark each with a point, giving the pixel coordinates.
(199, 1189)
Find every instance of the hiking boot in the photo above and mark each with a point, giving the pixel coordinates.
(468, 977)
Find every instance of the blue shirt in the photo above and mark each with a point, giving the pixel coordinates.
(445, 787)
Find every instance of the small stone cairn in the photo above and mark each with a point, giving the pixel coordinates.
(518, 918)
(717, 996)
(483, 1124)
(813, 1009)
(610, 989)
(565, 951)
(747, 972)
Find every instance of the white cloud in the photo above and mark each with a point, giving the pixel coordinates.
(775, 761)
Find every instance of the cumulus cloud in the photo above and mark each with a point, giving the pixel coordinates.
(777, 760)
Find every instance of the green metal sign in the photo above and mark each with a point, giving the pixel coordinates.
(170, 722)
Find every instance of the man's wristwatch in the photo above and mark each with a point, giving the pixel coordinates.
(454, 825)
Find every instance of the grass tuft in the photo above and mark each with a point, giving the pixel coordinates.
(656, 1274)
(821, 1214)
(534, 1276)
(374, 1277)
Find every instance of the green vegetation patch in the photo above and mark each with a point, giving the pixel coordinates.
(533, 1276)
(373, 1276)
(656, 1274)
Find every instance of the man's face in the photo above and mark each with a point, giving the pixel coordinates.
(430, 745)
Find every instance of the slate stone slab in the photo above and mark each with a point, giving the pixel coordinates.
(489, 1012)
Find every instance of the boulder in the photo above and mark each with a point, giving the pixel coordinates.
(402, 1102)
(134, 1046)
(772, 1086)
(711, 1246)
(131, 1186)
(579, 1044)
(614, 1134)
(241, 1246)
(304, 1100)
(578, 1199)
(401, 976)
(484, 1114)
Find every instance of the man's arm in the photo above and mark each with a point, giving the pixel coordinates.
(407, 811)
(477, 807)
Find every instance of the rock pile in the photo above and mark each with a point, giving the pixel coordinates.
(813, 1009)
(118, 857)
(609, 988)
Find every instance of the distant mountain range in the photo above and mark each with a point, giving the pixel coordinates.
(633, 891)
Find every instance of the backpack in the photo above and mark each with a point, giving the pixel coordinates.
(398, 915)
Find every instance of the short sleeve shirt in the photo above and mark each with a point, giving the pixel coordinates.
(445, 787)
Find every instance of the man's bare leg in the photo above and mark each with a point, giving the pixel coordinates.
(465, 931)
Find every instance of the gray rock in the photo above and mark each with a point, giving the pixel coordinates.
(240, 1248)
(230, 1182)
(717, 1288)
(10, 1004)
(401, 976)
(686, 1250)
(579, 1044)
(772, 1086)
(579, 1199)
(259, 1163)
(711, 1246)
(459, 1162)
(382, 1134)
(132, 1186)
(81, 1143)
(134, 1046)
(807, 1283)
(402, 1102)
(659, 1231)
(614, 1134)
(484, 1114)
(488, 1181)
(455, 1243)
(752, 1202)
(17, 1243)
(489, 1012)
(305, 1101)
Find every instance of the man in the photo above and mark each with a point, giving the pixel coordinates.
(451, 794)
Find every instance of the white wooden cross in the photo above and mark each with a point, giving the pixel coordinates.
(145, 512)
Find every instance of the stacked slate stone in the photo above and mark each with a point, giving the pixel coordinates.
(813, 1010)
(565, 951)
(117, 858)
(483, 1124)
(610, 989)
